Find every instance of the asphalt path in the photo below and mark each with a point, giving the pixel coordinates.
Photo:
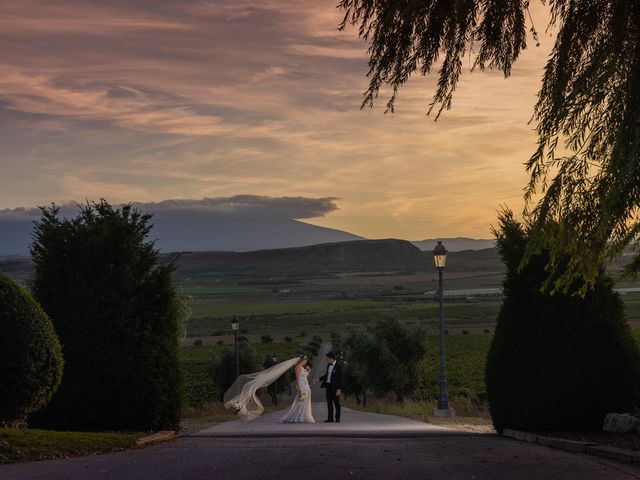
(446, 457)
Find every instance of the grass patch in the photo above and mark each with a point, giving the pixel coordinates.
(22, 445)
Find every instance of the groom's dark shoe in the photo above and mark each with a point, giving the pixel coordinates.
(329, 420)
(337, 420)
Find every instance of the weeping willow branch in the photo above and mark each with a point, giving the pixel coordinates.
(588, 104)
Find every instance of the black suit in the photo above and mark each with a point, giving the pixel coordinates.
(331, 386)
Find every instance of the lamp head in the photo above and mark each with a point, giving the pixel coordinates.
(440, 255)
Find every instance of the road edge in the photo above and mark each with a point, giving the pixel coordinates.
(587, 448)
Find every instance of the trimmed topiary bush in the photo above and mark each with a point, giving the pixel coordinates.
(557, 361)
(119, 316)
(30, 354)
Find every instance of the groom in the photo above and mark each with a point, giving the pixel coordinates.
(332, 383)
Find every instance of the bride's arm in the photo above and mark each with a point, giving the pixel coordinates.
(298, 369)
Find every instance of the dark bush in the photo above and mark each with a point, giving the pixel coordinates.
(30, 354)
(266, 338)
(197, 343)
(220, 342)
(288, 339)
(313, 349)
(118, 314)
(465, 332)
(557, 361)
(223, 366)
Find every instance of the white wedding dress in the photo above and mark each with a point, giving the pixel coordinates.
(300, 411)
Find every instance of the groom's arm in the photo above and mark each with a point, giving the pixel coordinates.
(337, 381)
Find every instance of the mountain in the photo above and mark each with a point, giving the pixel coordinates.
(355, 256)
(240, 234)
(456, 244)
(204, 232)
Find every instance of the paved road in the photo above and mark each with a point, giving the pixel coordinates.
(364, 446)
(451, 458)
(353, 424)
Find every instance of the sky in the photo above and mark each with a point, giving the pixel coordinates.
(183, 100)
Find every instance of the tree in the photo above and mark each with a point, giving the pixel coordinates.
(386, 357)
(557, 361)
(30, 354)
(588, 103)
(117, 312)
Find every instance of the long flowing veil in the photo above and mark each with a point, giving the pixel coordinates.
(241, 396)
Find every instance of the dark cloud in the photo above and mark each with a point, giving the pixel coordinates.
(244, 206)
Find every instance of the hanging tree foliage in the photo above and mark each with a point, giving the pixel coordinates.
(588, 105)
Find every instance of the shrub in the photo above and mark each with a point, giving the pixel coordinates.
(288, 339)
(197, 343)
(220, 342)
(266, 338)
(312, 349)
(223, 366)
(118, 314)
(243, 339)
(556, 361)
(465, 332)
(30, 354)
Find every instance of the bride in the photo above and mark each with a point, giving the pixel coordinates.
(242, 395)
(300, 411)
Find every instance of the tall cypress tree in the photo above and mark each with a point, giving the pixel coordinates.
(117, 312)
(557, 361)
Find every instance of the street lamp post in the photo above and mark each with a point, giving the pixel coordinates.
(443, 409)
(275, 384)
(235, 326)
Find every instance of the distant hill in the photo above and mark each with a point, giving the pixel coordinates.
(339, 257)
(355, 256)
(486, 260)
(456, 244)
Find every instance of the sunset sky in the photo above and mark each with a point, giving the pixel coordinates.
(152, 100)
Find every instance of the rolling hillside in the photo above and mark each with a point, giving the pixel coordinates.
(355, 256)
(328, 258)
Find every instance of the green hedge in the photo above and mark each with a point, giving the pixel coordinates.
(557, 361)
(30, 355)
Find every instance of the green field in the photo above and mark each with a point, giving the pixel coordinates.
(280, 318)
